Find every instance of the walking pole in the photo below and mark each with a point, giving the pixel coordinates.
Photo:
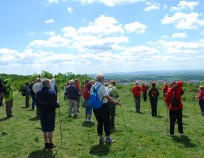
(59, 121)
(122, 115)
(60, 126)
(167, 117)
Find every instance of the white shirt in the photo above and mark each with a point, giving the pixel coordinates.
(102, 92)
(37, 87)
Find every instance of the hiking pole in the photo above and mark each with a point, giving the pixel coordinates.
(122, 115)
(59, 121)
(60, 126)
(167, 117)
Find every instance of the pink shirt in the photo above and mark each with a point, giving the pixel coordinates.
(201, 95)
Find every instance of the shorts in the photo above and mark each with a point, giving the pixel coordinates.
(47, 122)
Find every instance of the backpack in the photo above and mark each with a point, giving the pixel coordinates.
(4, 93)
(94, 101)
(23, 93)
(154, 93)
(175, 102)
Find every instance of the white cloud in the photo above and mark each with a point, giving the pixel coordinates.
(70, 10)
(152, 6)
(49, 21)
(135, 27)
(53, 41)
(110, 3)
(53, 1)
(179, 35)
(185, 5)
(184, 21)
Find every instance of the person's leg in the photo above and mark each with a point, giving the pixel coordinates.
(172, 121)
(69, 107)
(179, 119)
(152, 107)
(9, 105)
(97, 113)
(138, 103)
(75, 106)
(27, 100)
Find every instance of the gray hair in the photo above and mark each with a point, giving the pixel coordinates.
(99, 77)
(71, 82)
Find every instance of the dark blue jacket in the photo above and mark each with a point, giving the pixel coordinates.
(72, 92)
(46, 100)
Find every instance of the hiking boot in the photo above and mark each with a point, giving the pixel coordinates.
(101, 141)
(109, 141)
(51, 146)
(171, 135)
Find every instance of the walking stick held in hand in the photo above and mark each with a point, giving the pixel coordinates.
(122, 115)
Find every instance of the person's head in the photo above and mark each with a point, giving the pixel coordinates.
(201, 87)
(86, 82)
(46, 83)
(136, 83)
(71, 82)
(112, 82)
(153, 84)
(100, 78)
(27, 83)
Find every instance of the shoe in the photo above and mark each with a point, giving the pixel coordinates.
(109, 141)
(51, 146)
(171, 135)
(86, 120)
(101, 141)
(75, 115)
(46, 146)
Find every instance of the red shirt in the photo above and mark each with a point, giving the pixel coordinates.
(201, 95)
(165, 88)
(169, 96)
(144, 88)
(136, 90)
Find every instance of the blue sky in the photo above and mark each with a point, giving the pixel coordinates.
(91, 36)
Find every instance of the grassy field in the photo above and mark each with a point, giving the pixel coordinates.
(143, 136)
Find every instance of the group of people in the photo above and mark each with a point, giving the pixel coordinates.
(44, 98)
(172, 98)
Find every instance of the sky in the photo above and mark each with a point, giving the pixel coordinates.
(100, 36)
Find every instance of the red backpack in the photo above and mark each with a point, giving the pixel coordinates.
(86, 92)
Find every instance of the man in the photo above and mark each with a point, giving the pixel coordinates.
(7, 93)
(26, 90)
(136, 94)
(46, 101)
(72, 96)
(103, 113)
(112, 91)
(175, 105)
(153, 97)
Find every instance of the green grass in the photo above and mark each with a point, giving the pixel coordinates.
(143, 136)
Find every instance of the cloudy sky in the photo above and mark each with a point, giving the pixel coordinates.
(90, 36)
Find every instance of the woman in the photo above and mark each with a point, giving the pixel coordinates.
(46, 101)
(175, 105)
(201, 99)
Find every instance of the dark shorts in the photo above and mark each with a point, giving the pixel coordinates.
(47, 122)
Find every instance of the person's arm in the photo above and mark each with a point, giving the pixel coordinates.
(110, 99)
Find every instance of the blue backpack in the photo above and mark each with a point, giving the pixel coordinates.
(94, 101)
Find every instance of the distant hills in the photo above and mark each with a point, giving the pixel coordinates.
(174, 75)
